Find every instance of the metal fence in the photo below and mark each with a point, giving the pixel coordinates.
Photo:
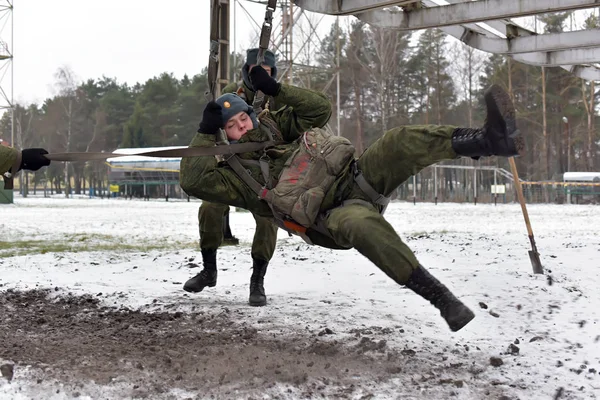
(488, 184)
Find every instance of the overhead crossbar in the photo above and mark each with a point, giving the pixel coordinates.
(484, 25)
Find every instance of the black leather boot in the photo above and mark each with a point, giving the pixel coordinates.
(456, 314)
(257, 289)
(499, 135)
(206, 277)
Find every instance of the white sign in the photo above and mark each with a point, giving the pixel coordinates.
(498, 189)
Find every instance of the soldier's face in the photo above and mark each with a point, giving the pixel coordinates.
(238, 125)
(265, 67)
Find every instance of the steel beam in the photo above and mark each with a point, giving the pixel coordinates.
(485, 25)
(469, 12)
(562, 57)
(346, 7)
(526, 44)
(588, 72)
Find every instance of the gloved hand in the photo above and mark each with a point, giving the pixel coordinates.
(212, 119)
(261, 80)
(33, 159)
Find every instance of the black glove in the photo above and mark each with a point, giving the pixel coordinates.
(33, 159)
(261, 80)
(212, 119)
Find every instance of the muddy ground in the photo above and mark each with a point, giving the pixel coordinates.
(75, 345)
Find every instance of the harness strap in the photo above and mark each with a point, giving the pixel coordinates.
(180, 152)
(319, 225)
(264, 168)
(244, 174)
(265, 37)
(366, 187)
(249, 163)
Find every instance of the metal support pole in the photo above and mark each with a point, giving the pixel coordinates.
(435, 193)
(414, 189)
(12, 77)
(234, 70)
(337, 28)
(475, 186)
(291, 75)
(223, 46)
(495, 188)
(568, 147)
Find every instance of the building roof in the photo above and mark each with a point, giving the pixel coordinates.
(582, 176)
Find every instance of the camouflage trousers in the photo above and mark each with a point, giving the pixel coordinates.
(399, 154)
(210, 218)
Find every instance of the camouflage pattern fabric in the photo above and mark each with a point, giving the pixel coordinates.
(211, 215)
(205, 178)
(397, 155)
(8, 156)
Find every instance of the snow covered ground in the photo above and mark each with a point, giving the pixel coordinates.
(92, 307)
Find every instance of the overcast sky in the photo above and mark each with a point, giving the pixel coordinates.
(132, 40)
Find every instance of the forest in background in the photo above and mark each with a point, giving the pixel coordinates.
(387, 78)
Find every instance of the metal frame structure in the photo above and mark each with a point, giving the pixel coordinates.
(224, 40)
(286, 45)
(485, 25)
(282, 40)
(6, 62)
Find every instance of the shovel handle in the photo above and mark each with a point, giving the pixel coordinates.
(513, 167)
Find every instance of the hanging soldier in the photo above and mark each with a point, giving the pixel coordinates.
(310, 184)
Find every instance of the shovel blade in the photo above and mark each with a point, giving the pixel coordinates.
(535, 262)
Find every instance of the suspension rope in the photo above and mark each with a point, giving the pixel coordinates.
(265, 37)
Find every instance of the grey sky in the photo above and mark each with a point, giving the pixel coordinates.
(132, 40)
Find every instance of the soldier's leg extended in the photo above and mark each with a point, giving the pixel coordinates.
(363, 228)
(401, 153)
(263, 247)
(210, 223)
(404, 151)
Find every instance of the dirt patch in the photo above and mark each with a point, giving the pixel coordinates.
(75, 341)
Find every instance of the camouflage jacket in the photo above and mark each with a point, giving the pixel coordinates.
(8, 157)
(205, 178)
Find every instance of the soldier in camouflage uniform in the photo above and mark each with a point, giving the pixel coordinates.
(400, 153)
(13, 160)
(211, 216)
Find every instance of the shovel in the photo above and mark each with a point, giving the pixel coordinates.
(534, 256)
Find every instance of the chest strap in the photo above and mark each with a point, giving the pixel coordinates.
(377, 199)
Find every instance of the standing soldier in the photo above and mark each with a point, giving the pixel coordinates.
(211, 216)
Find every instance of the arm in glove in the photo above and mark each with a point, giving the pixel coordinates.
(212, 119)
(261, 80)
(33, 159)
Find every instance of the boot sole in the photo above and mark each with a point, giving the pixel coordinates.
(466, 316)
(498, 100)
(232, 241)
(258, 303)
(191, 290)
